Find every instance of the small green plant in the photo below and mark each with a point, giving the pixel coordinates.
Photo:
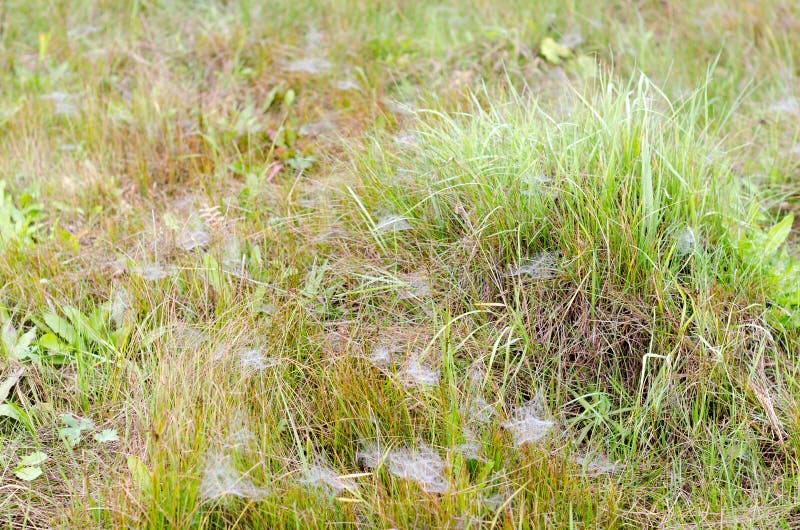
(17, 345)
(7, 408)
(106, 436)
(73, 427)
(94, 334)
(29, 467)
(18, 224)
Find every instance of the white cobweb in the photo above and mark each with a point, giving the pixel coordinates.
(527, 424)
(325, 477)
(422, 465)
(221, 479)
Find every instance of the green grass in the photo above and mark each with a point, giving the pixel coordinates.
(311, 264)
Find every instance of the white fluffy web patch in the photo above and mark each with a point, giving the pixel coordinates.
(422, 465)
(253, 359)
(119, 305)
(598, 464)
(239, 435)
(542, 266)
(194, 239)
(686, 241)
(415, 285)
(392, 223)
(415, 373)
(533, 184)
(381, 356)
(325, 477)
(471, 449)
(478, 410)
(347, 84)
(221, 479)
(789, 105)
(154, 272)
(63, 103)
(317, 128)
(406, 140)
(308, 65)
(186, 337)
(527, 424)
(233, 261)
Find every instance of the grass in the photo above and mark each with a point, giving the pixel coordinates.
(399, 265)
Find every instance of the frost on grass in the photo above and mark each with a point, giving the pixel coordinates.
(415, 373)
(308, 65)
(325, 477)
(192, 239)
(543, 266)
(254, 359)
(528, 424)
(221, 480)
(423, 465)
(392, 223)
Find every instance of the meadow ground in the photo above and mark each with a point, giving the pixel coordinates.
(305, 264)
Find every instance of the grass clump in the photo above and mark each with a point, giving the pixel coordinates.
(629, 271)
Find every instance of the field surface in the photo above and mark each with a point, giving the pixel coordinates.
(398, 264)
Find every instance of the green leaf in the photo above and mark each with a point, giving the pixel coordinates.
(71, 434)
(107, 435)
(8, 383)
(288, 97)
(553, 52)
(314, 279)
(171, 222)
(778, 234)
(33, 459)
(8, 334)
(213, 273)
(28, 473)
(301, 163)
(139, 472)
(21, 349)
(12, 411)
(61, 327)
